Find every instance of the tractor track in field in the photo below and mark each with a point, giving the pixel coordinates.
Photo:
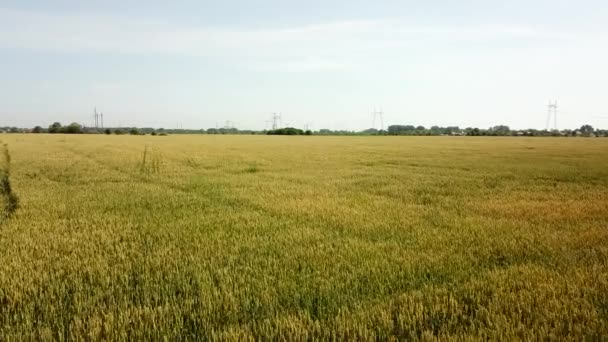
(9, 199)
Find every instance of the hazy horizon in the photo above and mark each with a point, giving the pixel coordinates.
(198, 64)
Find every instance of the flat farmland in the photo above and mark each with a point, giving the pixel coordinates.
(270, 237)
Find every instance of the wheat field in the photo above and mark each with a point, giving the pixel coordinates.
(270, 237)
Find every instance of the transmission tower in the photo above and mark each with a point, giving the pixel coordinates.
(96, 117)
(552, 113)
(276, 121)
(378, 114)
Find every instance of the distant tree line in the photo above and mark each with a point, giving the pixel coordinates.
(289, 131)
(75, 128)
(408, 130)
(56, 127)
(501, 130)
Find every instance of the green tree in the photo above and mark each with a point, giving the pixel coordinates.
(586, 129)
(286, 131)
(55, 128)
(73, 128)
(500, 130)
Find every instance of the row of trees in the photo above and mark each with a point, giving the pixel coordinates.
(289, 131)
(500, 130)
(73, 128)
(421, 130)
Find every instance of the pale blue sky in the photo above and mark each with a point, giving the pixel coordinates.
(328, 63)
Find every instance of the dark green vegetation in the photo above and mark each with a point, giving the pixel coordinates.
(357, 238)
(56, 127)
(406, 130)
(496, 131)
(289, 131)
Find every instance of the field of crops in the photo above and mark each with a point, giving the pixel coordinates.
(238, 237)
